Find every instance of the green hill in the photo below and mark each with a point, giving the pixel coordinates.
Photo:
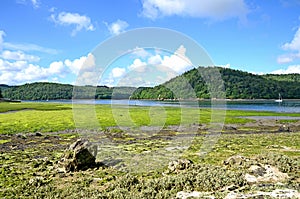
(55, 91)
(191, 84)
(237, 85)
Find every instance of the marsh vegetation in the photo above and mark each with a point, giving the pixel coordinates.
(33, 137)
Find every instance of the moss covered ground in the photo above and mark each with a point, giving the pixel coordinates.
(33, 136)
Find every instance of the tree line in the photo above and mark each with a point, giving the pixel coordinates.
(205, 82)
(202, 83)
(56, 91)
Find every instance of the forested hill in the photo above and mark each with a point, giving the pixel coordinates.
(238, 85)
(55, 91)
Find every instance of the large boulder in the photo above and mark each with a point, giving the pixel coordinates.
(81, 155)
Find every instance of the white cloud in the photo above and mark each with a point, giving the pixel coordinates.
(289, 70)
(79, 21)
(56, 67)
(138, 66)
(225, 66)
(6, 66)
(18, 56)
(87, 78)
(84, 63)
(139, 52)
(283, 59)
(19, 72)
(117, 27)
(29, 47)
(178, 62)
(294, 44)
(155, 60)
(213, 9)
(35, 3)
(22, 71)
(118, 72)
(293, 47)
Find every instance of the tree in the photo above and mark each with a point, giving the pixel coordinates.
(1, 93)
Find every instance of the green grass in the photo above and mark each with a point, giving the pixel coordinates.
(48, 117)
(247, 145)
(4, 141)
(7, 106)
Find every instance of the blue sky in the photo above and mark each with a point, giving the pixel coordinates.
(43, 40)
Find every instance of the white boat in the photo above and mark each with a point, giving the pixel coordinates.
(279, 99)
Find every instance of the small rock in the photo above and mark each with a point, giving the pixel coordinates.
(36, 181)
(284, 128)
(176, 165)
(20, 135)
(38, 134)
(230, 128)
(250, 178)
(236, 160)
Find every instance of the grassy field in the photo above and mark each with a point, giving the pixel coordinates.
(28, 161)
(48, 117)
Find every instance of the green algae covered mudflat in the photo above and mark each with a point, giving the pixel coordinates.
(33, 136)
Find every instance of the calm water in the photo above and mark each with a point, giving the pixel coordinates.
(292, 106)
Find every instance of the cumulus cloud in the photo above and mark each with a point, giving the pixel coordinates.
(18, 72)
(289, 70)
(118, 72)
(178, 61)
(79, 21)
(293, 47)
(117, 27)
(213, 9)
(138, 65)
(85, 63)
(22, 71)
(140, 52)
(18, 56)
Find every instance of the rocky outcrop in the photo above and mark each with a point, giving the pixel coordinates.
(264, 173)
(79, 156)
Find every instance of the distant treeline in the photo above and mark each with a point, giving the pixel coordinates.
(55, 91)
(202, 83)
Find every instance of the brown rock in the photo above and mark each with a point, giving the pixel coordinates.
(176, 165)
(80, 156)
